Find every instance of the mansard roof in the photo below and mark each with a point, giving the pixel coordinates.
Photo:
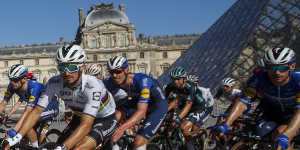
(35, 48)
(101, 14)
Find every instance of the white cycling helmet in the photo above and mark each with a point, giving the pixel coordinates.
(93, 69)
(117, 62)
(70, 54)
(228, 81)
(260, 63)
(192, 78)
(279, 56)
(17, 72)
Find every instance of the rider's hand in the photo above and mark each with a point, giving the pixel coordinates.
(12, 133)
(118, 134)
(178, 120)
(223, 128)
(61, 147)
(283, 141)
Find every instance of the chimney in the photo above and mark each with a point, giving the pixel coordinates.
(81, 17)
(122, 8)
(61, 39)
(141, 36)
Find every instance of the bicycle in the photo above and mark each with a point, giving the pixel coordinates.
(126, 142)
(249, 141)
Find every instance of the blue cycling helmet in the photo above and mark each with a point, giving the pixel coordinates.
(117, 62)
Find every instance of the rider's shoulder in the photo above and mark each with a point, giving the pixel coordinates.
(91, 81)
(55, 80)
(295, 75)
(142, 79)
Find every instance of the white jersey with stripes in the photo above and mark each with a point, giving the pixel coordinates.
(90, 97)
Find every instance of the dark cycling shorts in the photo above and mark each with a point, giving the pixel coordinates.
(153, 119)
(102, 129)
(199, 117)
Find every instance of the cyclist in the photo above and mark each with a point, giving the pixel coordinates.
(193, 78)
(195, 103)
(28, 91)
(279, 85)
(260, 65)
(94, 108)
(29, 76)
(95, 70)
(145, 101)
(230, 94)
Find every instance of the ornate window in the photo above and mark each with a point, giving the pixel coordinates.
(37, 62)
(6, 63)
(142, 68)
(165, 54)
(164, 67)
(95, 57)
(142, 55)
(92, 43)
(124, 55)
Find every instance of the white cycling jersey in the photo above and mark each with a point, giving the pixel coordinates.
(206, 94)
(236, 93)
(91, 97)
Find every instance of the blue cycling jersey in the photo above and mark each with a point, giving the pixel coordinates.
(31, 95)
(143, 89)
(280, 99)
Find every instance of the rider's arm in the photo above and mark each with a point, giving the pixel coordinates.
(241, 105)
(7, 95)
(172, 104)
(25, 115)
(2, 106)
(237, 110)
(293, 126)
(81, 131)
(15, 108)
(185, 110)
(137, 116)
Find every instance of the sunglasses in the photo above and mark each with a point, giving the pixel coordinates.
(15, 79)
(174, 78)
(116, 71)
(70, 67)
(280, 68)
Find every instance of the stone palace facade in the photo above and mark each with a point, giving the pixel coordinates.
(105, 32)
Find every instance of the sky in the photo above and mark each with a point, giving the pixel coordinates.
(45, 21)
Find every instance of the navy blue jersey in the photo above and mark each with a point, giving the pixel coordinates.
(143, 89)
(31, 95)
(275, 98)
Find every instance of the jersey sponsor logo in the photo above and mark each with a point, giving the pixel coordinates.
(63, 93)
(31, 99)
(250, 92)
(145, 93)
(96, 96)
(7, 94)
(145, 82)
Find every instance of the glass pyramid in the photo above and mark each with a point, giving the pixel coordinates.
(232, 45)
